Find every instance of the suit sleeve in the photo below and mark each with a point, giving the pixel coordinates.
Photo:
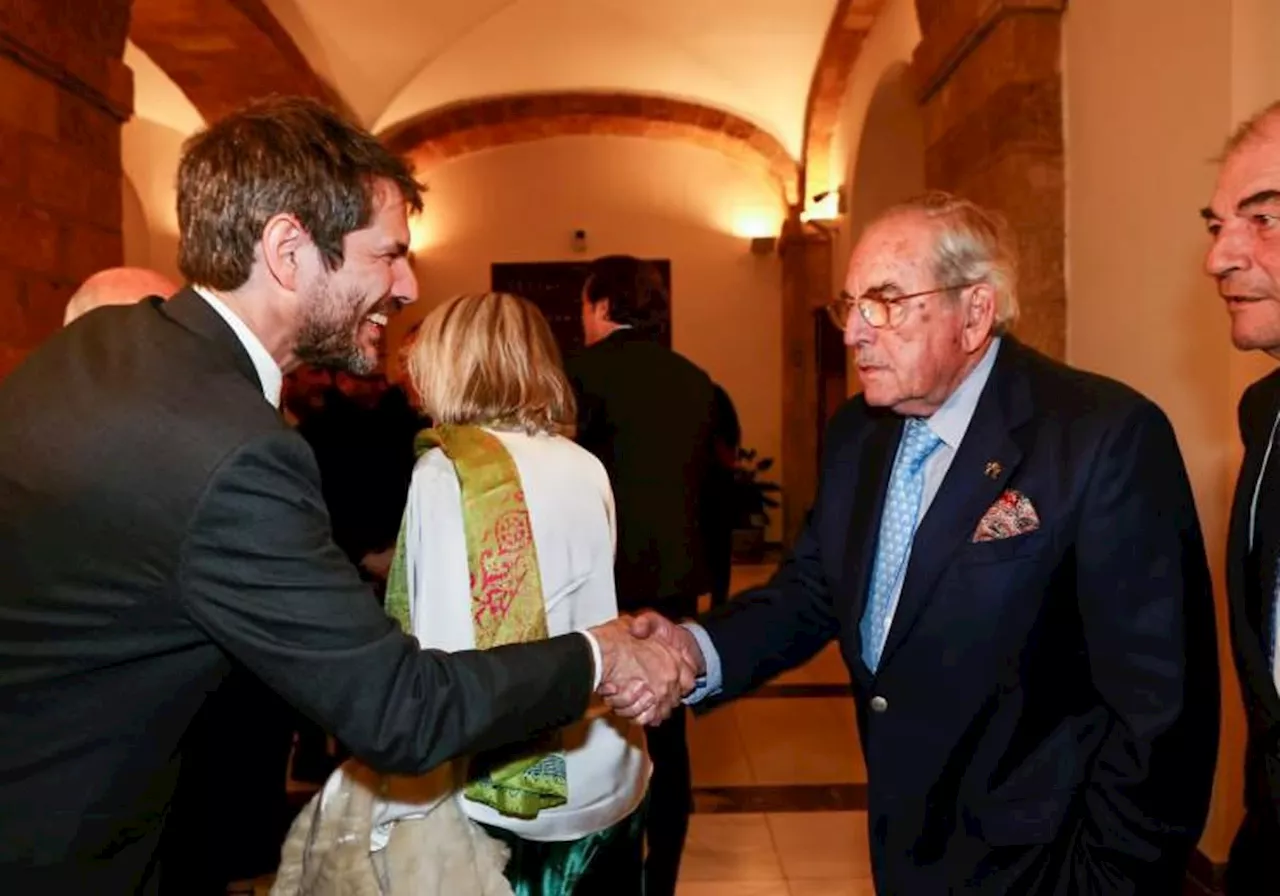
(1146, 605)
(590, 419)
(764, 632)
(262, 577)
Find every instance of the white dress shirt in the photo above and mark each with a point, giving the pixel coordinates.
(571, 511)
(949, 423)
(269, 374)
(1267, 459)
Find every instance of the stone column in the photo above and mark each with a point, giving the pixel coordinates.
(64, 92)
(990, 85)
(806, 285)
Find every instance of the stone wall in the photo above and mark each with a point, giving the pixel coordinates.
(63, 95)
(989, 78)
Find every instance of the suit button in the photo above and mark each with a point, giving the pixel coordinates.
(879, 704)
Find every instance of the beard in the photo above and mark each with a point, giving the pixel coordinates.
(329, 335)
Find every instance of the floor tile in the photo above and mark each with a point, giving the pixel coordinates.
(729, 848)
(831, 888)
(824, 846)
(781, 798)
(808, 740)
(733, 888)
(717, 752)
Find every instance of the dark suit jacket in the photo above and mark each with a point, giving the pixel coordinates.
(159, 521)
(1045, 714)
(1255, 855)
(646, 412)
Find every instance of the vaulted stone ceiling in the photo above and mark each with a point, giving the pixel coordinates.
(778, 66)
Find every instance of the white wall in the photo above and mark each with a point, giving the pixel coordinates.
(150, 146)
(1152, 90)
(888, 48)
(751, 57)
(149, 155)
(643, 197)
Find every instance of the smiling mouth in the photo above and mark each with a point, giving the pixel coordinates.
(377, 318)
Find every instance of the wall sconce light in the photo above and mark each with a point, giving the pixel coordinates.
(763, 245)
(827, 206)
(579, 243)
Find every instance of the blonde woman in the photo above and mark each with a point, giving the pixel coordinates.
(509, 536)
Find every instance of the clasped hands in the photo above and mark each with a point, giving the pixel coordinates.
(650, 664)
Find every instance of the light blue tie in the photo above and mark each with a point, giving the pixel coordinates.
(897, 528)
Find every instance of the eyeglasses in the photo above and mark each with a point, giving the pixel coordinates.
(877, 309)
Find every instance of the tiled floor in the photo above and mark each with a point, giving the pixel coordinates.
(778, 741)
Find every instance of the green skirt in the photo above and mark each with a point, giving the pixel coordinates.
(608, 862)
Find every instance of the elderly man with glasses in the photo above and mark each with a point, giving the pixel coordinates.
(1008, 552)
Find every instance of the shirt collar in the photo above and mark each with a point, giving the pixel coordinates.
(951, 421)
(269, 374)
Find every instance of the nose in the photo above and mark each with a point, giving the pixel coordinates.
(1231, 251)
(405, 285)
(857, 331)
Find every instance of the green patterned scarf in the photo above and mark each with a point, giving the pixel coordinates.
(506, 606)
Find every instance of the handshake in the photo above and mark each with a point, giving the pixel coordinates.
(650, 664)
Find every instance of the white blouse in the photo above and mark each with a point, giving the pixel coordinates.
(571, 511)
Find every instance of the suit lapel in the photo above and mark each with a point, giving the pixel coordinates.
(988, 455)
(874, 464)
(195, 314)
(1253, 644)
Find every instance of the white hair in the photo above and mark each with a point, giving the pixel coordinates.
(972, 245)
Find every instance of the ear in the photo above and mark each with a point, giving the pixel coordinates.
(283, 238)
(979, 306)
(600, 311)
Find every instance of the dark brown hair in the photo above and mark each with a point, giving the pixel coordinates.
(280, 155)
(634, 288)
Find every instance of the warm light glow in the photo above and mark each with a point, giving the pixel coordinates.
(826, 209)
(419, 232)
(753, 223)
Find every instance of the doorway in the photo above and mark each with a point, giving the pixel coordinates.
(556, 288)
(833, 375)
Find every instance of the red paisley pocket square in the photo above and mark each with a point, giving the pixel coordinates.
(1012, 514)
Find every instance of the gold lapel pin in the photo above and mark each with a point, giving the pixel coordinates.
(994, 469)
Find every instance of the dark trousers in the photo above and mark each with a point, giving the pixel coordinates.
(670, 803)
(230, 810)
(1254, 866)
(671, 786)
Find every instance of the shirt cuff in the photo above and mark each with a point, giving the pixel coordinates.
(597, 660)
(712, 681)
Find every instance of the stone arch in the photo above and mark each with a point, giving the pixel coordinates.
(850, 23)
(888, 166)
(203, 48)
(475, 125)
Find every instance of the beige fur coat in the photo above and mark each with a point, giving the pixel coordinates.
(330, 849)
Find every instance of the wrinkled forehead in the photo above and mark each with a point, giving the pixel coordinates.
(1252, 169)
(894, 252)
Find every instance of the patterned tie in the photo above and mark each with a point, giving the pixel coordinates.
(897, 528)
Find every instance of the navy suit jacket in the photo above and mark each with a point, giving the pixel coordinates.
(1044, 718)
(1256, 852)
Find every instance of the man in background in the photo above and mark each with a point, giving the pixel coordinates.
(117, 286)
(1244, 259)
(720, 504)
(646, 412)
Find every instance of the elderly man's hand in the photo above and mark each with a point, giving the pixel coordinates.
(643, 678)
